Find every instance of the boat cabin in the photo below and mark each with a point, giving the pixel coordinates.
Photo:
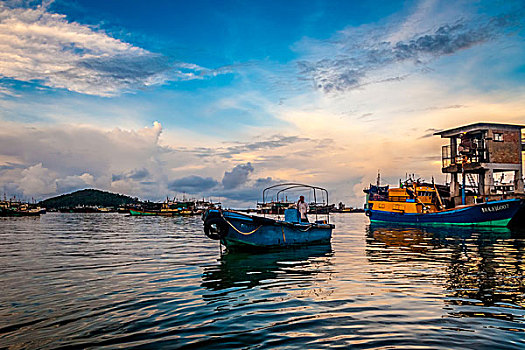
(411, 197)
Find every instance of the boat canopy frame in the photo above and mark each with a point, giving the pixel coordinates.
(294, 185)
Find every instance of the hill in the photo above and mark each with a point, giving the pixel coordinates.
(88, 197)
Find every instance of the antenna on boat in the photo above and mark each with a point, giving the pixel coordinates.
(378, 178)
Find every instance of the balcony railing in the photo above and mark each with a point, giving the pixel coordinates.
(475, 155)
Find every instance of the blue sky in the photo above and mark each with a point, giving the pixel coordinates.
(219, 99)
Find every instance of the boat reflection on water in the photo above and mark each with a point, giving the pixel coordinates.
(283, 269)
(480, 269)
(411, 236)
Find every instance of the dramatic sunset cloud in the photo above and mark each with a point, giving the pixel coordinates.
(146, 100)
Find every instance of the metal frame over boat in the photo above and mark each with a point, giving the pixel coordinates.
(240, 231)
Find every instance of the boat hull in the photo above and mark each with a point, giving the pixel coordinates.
(136, 212)
(18, 213)
(242, 231)
(496, 213)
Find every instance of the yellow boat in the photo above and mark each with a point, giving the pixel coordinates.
(477, 154)
(416, 203)
(411, 198)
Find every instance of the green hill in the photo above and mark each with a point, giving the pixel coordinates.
(88, 197)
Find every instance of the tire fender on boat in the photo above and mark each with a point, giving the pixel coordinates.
(219, 231)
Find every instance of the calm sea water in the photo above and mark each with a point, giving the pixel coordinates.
(113, 281)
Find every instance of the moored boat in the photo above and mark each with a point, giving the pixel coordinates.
(172, 208)
(423, 205)
(17, 208)
(140, 212)
(478, 154)
(241, 231)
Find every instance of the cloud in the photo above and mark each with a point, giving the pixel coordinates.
(429, 133)
(11, 166)
(264, 182)
(135, 162)
(246, 195)
(238, 189)
(77, 182)
(37, 181)
(238, 147)
(237, 176)
(276, 141)
(360, 56)
(135, 174)
(75, 157)
(39, 46)
(192, 184)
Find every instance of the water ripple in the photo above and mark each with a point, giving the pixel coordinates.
(112, 281)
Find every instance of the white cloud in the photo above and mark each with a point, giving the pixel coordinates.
(75, 182)
(36, 45)
(56, 159)
(37, 181)
(69, 157)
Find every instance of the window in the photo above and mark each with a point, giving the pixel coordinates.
(398, 207)
(498, 136)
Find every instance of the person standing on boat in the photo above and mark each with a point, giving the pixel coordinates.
(302, 207)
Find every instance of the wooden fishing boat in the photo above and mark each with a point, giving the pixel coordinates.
(241, 231)
(478, 154)
(422, 204)
(173, 208)
(9, 208)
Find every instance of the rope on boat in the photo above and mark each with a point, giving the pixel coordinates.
(307, 229)
(294, 227)
(235, 228)
(255, 230)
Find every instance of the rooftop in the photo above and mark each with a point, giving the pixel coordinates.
(477, 127)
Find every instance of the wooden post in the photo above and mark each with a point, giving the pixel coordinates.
(518, 181)
(488, 181)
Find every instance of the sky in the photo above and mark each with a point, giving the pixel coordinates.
(220, 99)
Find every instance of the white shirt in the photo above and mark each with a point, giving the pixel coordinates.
(303, 209)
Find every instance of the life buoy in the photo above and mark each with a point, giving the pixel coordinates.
(215, 228)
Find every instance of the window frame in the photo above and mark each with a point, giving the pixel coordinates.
(497, 137)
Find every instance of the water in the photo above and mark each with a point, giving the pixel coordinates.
(113, 281)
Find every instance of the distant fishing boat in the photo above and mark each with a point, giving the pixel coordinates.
(139, 212)
(17, 208)
(483, 150)
(173, 208)
(241, 231)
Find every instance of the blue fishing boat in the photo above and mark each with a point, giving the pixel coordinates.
(478, 158)
(237, 230)
(495, 213)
